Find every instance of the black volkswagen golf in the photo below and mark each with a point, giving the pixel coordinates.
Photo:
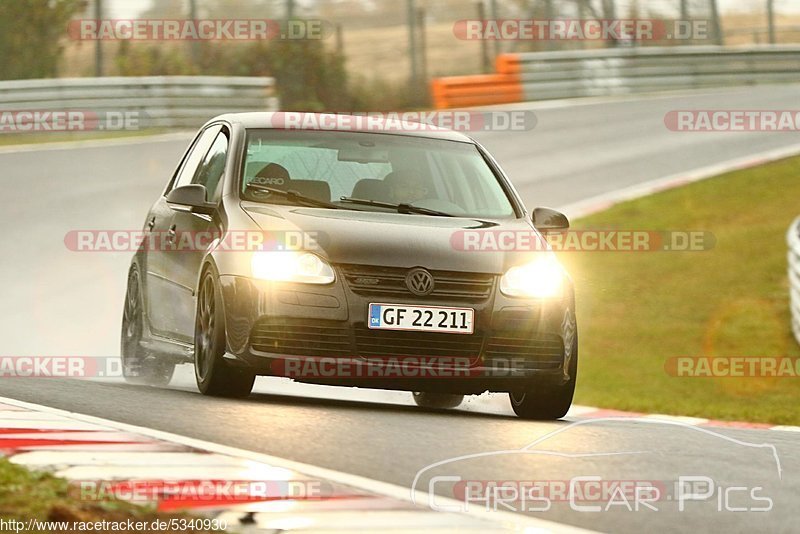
(388, 255)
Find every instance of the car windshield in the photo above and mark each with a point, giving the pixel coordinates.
(437, 176)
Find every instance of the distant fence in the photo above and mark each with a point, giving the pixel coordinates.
(793, 238)
(615, 71)
(159, 101)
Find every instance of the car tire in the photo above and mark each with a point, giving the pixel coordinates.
(215, 376)
(547, 402)
(438, 401)
(138, 365)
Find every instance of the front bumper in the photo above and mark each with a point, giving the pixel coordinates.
(319, 334)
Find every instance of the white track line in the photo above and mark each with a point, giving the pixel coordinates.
(598, 203)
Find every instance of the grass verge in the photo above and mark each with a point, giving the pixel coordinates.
(638, 309)
(34, 495)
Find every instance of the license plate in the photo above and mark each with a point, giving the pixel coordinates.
(421, 318)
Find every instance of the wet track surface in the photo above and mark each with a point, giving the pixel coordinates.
(58, 302)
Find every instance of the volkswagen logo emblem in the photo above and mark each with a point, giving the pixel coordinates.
(419, 282)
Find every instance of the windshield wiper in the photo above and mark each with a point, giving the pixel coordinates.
(294, 196)
(401, 208)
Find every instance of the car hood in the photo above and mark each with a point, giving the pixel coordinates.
(389, 239)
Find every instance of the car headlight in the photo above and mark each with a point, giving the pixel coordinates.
(541, 278)
(288, 266)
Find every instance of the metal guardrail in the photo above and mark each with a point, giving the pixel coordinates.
(793, 238)
(161, 101)
(617, 71)
(644, 69)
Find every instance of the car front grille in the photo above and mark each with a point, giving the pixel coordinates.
(301, 337)
(390, 281)
(507, 349)
(515, 349)
(382, 344)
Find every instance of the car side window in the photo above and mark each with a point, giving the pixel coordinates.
(211, 169)
(200, 149)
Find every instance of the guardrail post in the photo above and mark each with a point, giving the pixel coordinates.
(485, 62)
(98, 48)
(493, 14)
(412, 44)
(771, 20)
(195, 45)
(717, 25)
(549, 14)
(423, 44)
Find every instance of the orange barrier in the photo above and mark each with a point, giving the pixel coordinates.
(508, 64)
(505, 87)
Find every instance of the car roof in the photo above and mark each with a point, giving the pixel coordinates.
(385, 123)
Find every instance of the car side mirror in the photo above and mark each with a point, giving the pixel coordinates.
(190, 197)
(548, 220)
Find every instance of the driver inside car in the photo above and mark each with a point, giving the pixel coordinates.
(406, 188)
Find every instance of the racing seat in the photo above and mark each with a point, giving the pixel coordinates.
(274, 175)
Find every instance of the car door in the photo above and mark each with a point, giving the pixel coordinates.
(161, 288)
(193, 233)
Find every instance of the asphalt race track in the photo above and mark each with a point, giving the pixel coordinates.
(60, 302)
